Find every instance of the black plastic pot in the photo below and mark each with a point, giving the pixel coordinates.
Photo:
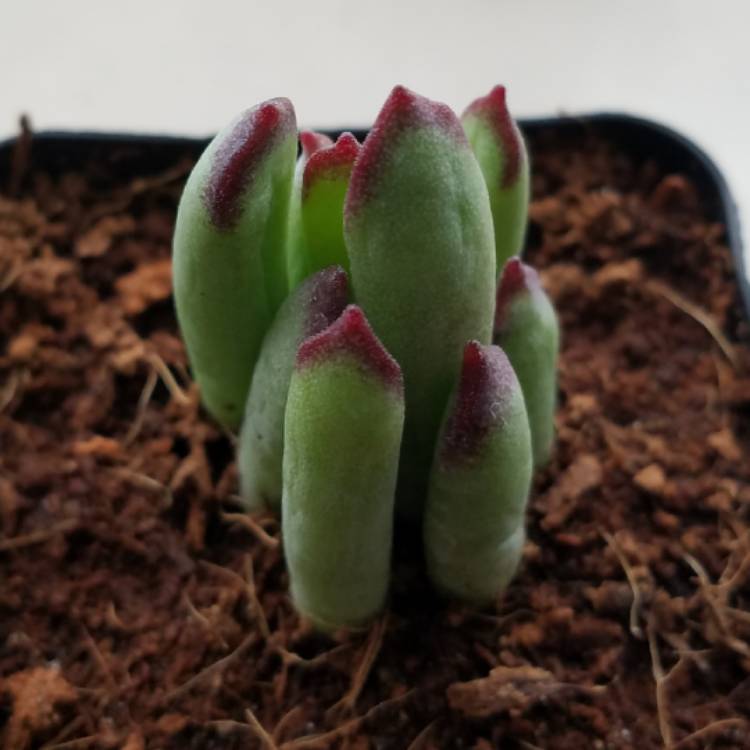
(643, 139)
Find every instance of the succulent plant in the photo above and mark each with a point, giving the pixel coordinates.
(431, 397)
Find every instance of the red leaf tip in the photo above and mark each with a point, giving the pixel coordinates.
(348, 143)
(352, 335)
(401, 98)
(517, 279)
(493, 108)
(487, 380)
(403, 110)
(238, 156)
(312, 142)
(328, 293)
(331, 162)
(497, 98)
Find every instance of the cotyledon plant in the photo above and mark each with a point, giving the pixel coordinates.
(342, 308)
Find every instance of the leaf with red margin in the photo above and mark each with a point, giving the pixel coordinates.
(342, 434)
(310, 308)
(526, 327)
(500, 150)
(325, 181)
(479, 482)
(229, 265)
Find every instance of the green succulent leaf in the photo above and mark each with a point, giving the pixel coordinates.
(324, 185)
(479, 482)
(342, 433)
(501, 152)
(526, 328)
(229, 267)
(297, 259)
(322, 181)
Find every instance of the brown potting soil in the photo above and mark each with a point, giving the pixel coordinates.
(138, 609)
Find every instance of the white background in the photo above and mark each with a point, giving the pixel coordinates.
(184, 66)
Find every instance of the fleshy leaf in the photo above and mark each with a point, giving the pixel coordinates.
(299, 265)
(526, 328)
(324, 184)
(228, 257)
(418, 229)
(479, 482)
(311, 308)
(342, 434)
(501, 153)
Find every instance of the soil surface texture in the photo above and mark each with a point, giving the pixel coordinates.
(139, 609)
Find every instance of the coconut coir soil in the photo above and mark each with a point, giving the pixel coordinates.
(138, 610)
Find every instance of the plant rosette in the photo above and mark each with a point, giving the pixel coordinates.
(400, 403)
